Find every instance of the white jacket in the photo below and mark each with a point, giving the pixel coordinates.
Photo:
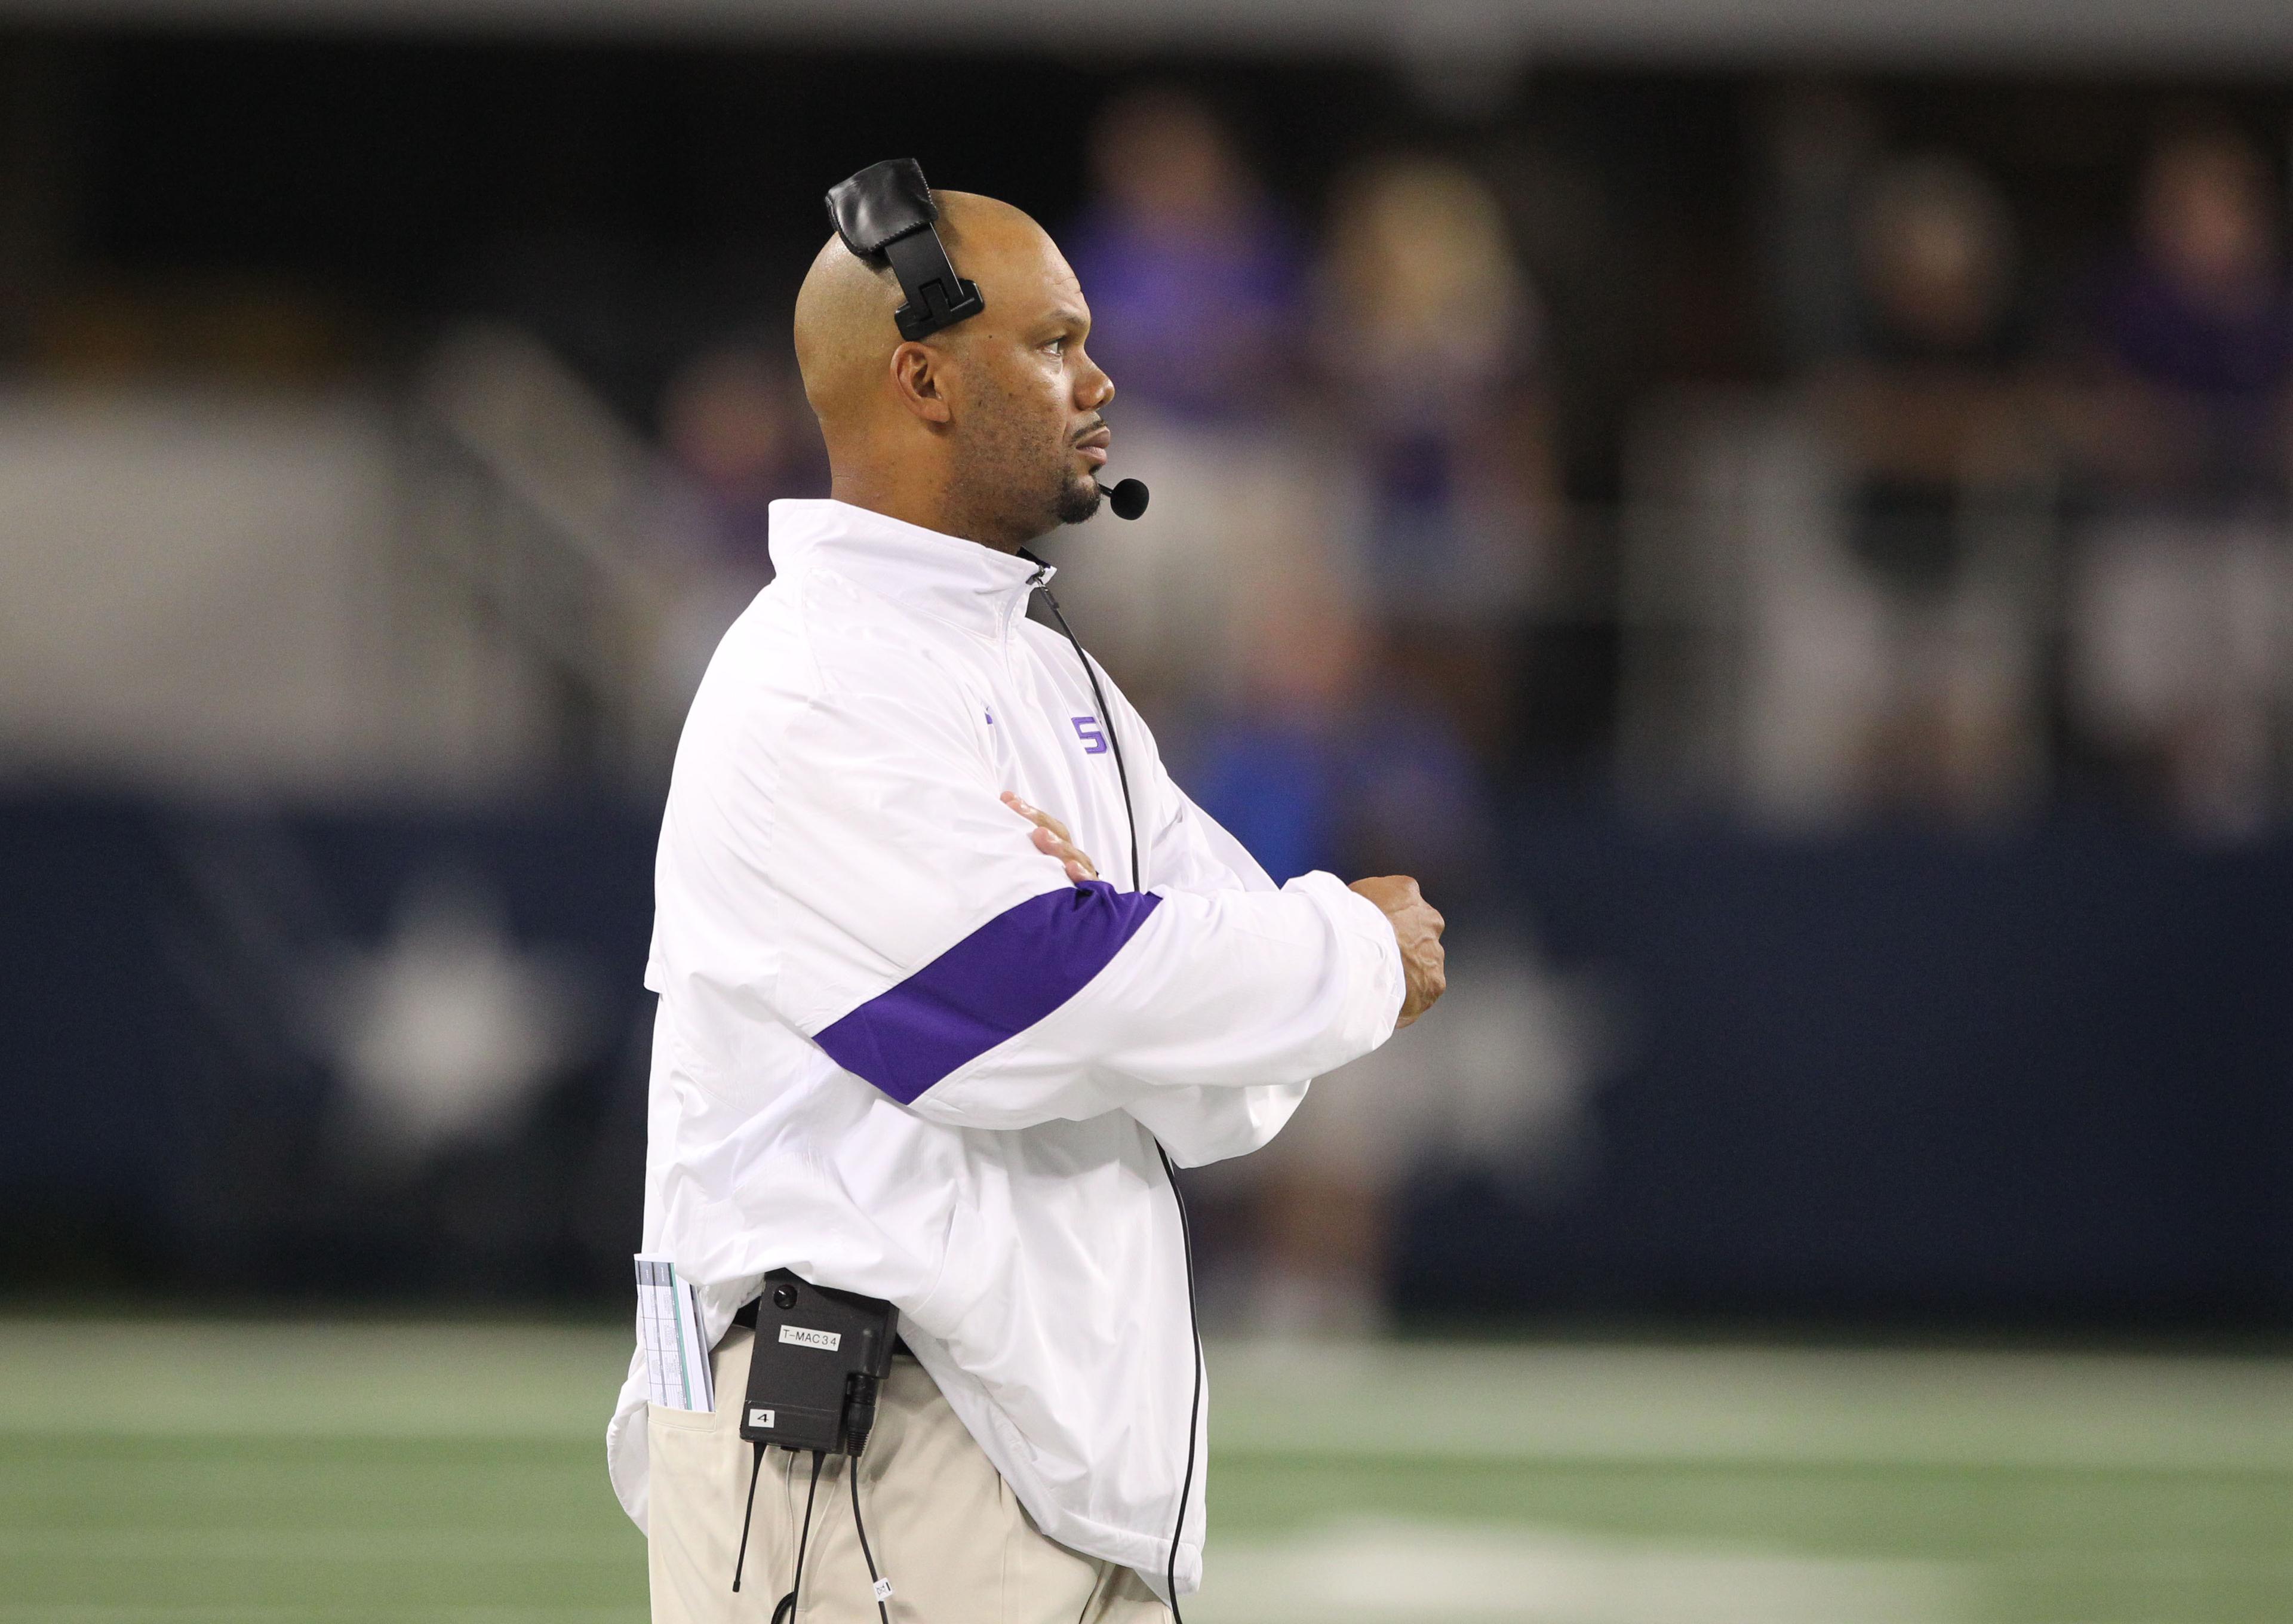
(897, 1052)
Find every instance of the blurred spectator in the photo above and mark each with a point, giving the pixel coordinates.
(734, 422)
(2190, 336)
(1936, 421)
(1879, 548)
(736, 436)
(1320, 762)
(2178, 637)
(1195, 282)
(1432, 338)
(1194, 278)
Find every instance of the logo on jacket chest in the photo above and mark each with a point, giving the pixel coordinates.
(1084, 735)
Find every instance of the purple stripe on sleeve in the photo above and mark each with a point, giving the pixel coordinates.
(999, 981)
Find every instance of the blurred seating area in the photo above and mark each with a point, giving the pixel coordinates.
(2004, 540)
(1849, 466)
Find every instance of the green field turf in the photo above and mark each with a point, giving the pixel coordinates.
(183, 1472)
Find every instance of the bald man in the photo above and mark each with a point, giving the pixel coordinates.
(950, 973)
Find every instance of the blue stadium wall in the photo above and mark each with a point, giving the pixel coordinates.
(2043, 1079)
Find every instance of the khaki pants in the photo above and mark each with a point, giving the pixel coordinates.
(945, 1530)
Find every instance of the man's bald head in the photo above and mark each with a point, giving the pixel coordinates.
(973, 417)
(845, 334)
(844, 331)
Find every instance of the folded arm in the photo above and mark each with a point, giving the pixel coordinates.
(931, 947)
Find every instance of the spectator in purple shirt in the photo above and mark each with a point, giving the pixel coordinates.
(1197, 284)
(2190, 336)
(1196, 280)
(2179, 607)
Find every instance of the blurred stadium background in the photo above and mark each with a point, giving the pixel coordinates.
(1777, 512)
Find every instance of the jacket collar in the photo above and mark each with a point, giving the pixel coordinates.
(972, 585)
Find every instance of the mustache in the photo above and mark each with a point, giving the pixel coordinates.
(1092, 427)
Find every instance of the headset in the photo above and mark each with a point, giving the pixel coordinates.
(885, 216)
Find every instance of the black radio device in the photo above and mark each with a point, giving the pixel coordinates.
(818, 1359)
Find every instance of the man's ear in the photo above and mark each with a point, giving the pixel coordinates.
(916, 374)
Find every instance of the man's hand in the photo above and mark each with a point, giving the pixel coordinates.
(1418, 929)
(1052, 839)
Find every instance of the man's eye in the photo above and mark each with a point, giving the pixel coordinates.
(1058, 346)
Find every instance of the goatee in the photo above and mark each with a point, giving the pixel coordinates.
(1079, 499)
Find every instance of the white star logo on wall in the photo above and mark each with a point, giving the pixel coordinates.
(447, 1031)
(1501, 1076)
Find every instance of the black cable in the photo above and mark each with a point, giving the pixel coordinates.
(747, 1515)
(875, 1584)
(1185, 1226)
(1107, 717)
(1195, 1408)
(786, 1611)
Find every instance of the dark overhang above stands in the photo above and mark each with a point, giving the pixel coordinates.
(2232, 37)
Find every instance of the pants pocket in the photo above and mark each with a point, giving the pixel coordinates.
(699, 1487)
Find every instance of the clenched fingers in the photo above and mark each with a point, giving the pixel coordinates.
(1417, 928)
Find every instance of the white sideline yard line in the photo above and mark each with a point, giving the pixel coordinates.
(1754, 1406)
(1450, 1401)
(1410, 1572)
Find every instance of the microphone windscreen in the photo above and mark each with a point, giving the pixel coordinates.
(1128, 500)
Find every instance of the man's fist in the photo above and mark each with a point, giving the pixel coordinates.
(1418, 929)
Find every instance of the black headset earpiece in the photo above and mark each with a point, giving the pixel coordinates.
(885, 214)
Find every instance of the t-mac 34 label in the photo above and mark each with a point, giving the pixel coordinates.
(826, 1341)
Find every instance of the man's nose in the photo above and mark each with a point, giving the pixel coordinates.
(1094, 389)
